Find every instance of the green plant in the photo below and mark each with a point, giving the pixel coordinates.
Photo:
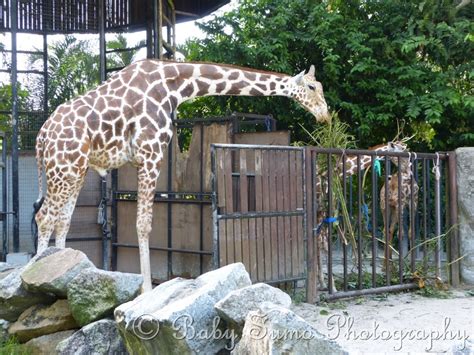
(11, 346)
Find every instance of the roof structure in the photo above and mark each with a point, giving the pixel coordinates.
(82, 16)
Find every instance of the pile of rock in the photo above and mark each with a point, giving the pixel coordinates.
(220, 310)
(61, 303)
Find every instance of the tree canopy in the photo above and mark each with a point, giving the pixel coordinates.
(382, 64)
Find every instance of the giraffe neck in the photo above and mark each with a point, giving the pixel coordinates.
(190, 80)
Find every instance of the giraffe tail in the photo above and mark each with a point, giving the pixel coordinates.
(39, 202)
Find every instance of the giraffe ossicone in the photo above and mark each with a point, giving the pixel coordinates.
(128, 119)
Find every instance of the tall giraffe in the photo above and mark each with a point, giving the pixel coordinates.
(350, 163)
(128, 119)
(397, 206)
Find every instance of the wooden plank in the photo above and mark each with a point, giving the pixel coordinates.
(221, 203)
(311, 262)
(267, 242)
(273, 162)
(285, 166)
(300, 205)
(280, 192)
(229, 206)
(259, 222)
(295, 270)
(244, 223)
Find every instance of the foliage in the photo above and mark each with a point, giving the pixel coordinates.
(11, 346)
(6, 104)
(122, 58)
(72, 69)
(379, 61)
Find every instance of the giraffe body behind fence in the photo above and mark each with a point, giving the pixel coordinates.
(351, 168)
(399, 198)
(128, 119)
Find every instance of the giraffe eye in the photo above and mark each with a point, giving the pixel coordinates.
(311, 87)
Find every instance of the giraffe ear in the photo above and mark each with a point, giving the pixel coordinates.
(299, 78)
(311, 71)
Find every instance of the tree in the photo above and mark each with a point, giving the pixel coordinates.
(72, 69)
(382, 63)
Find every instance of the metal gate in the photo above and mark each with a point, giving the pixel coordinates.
(259, 210)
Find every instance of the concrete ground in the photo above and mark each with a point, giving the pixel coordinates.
(396, 323)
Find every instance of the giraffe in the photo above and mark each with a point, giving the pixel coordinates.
(128, 119)
(350, 163)
(396, 206)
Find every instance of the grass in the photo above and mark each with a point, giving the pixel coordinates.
(11, 346)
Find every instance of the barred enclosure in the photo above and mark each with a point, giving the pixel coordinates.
(335, 218)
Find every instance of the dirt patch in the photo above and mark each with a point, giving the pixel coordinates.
(396, 323)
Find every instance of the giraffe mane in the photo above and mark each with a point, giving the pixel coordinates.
(224, 65)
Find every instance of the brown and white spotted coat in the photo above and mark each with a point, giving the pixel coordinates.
(350, 163)
(128, 119)
(397, 206)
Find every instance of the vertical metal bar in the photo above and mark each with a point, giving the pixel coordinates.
(438, 218)
(412, 225)
(46, 76)
(329, 226)
(114, 211)
(374, 223)
(102, 64)
(215, 221)
(157, 26)
(312, 251)
(387, 223)
(15, 117)
(453, 220)
(103, 183)
(4, 197)
(344, 246)
(401, 207)
(305, 204)
(359, 221)
(201, 206)
(170, 203)
(425, 215)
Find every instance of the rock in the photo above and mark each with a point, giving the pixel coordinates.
(4, 324)
(465, 189)
(43, 319)
(54, 269)
(14, 298)
(465, 348)
(46, 344)
(237, 304)
(5, 267)
(276, 330)
(94, 293)
(178, 316)
(101, 337)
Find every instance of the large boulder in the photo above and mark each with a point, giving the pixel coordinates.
(101, 337)
(277, 330)
(14, 298)
(237, 304)
(94, 293)
(43, 319)
(46, 344)
(52, 271)
(178, 316)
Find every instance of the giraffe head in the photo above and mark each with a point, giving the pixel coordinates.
(392, 146)
(309, 93)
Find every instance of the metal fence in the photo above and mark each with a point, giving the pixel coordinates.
(358, 231)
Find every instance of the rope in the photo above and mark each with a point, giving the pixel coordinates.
(327, 220)
(436, 170)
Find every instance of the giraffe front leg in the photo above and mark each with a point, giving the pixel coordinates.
(147, 179)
